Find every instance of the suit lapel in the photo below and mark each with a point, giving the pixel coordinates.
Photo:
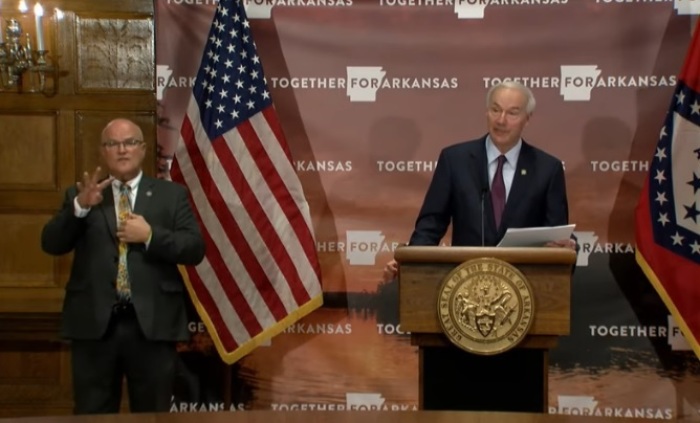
(143, 195)
(479, 166)
(109, 212)
(524, 173)
(480, 174)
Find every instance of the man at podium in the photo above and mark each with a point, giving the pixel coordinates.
(496, 182)
(483, 187)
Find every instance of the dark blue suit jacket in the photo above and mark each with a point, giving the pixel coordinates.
(460, 189)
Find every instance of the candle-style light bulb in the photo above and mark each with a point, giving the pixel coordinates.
(23, 6)
(38, 13)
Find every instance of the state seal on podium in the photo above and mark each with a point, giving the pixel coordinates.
(486, 306)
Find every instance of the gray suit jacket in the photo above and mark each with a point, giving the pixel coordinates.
(157, 289)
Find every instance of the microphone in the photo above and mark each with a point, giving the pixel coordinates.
(483, 197)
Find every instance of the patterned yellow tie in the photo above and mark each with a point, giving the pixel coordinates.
(123, 210)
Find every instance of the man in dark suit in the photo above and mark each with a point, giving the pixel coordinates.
(483, 187)
(461, 191)
(124, 305)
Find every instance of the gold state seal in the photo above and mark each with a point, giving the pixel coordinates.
(485, 306)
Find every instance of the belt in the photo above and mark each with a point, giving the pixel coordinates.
(123, 309)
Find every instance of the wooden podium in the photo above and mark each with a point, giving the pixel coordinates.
(453, 379)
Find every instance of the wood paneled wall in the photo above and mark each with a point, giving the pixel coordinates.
(105, 52)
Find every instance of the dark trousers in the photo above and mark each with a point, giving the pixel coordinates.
(100, 366)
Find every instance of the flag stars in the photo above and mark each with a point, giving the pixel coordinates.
(691, 212)
(663, 133)
(660, 178)
(230, 84)
(661, 198)
(680, 98)
(660, 153)
(695, 108)
(663, 219)
(695, 183)
(695, 247)
(677, 239)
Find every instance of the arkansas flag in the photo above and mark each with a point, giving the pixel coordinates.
(667, 218)
(260, 273)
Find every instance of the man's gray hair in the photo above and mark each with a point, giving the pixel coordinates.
(529, 106)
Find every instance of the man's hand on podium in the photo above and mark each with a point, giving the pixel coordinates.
(562, 243)
(390, 271)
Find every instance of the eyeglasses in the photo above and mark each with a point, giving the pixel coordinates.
(509, 114)
(114, 145)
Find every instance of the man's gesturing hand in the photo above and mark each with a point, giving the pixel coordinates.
(90, 190)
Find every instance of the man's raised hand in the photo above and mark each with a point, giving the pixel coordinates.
(90, 190)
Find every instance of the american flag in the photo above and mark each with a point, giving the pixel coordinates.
(667, 218)
(261, 272)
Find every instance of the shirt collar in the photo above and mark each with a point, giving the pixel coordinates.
(492, 152)
(133, 183)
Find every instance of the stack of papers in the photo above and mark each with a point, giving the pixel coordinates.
(535, 237)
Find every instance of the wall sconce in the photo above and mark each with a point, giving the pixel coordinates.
(23, 69)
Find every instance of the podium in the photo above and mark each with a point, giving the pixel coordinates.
(451, 378)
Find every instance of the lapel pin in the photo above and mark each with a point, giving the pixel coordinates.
(149, 193)
(523, 172)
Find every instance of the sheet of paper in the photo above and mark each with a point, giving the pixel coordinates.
(535, 237)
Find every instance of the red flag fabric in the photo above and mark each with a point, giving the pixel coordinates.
(261, 271)
(667, 218)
